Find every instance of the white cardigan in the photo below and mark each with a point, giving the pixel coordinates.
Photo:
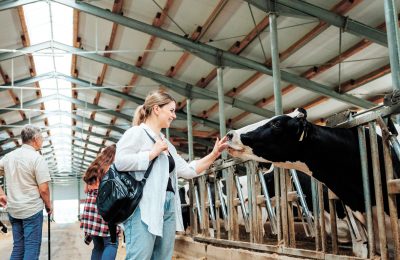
(133, 155)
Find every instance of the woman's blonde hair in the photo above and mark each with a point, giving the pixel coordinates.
(157, 97)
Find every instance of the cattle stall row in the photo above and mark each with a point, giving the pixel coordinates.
(246, 204)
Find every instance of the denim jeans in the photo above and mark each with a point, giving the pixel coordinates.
(27, 236)
(103, 249)
(141, 244)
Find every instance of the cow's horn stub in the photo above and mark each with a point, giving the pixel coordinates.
(302, 113)
(298, 113)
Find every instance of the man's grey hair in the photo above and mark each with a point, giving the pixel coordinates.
(29, 133)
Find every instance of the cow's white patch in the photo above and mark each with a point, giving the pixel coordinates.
(300, 166)
(246, 153)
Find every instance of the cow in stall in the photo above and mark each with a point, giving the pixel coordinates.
(344, 235)
(305, 182)
(331, 155)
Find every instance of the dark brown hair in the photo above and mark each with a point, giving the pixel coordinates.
(98, 168)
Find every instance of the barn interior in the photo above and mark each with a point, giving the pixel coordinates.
(79, 69)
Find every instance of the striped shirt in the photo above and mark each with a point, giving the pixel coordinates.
(91, 221)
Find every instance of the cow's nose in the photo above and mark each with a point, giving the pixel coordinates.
(229, 135)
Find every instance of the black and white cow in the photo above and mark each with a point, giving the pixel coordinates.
(331, 155)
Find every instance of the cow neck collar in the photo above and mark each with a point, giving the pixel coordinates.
(304, 132)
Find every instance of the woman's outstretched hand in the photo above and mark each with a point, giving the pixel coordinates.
(220, 146)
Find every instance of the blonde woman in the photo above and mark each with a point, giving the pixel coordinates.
(150, 231)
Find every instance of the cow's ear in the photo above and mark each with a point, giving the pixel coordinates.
(301, 113)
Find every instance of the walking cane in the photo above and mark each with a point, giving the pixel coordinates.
(48, 234)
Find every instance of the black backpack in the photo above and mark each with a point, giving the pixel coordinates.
(119, 195)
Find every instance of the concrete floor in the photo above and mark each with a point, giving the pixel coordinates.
(66, 244)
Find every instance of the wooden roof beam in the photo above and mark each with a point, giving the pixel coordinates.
(76, 41)
(236, 48)
(353, 84)
(158, 21)
(341, 8)
(117, 8)
(315, 71)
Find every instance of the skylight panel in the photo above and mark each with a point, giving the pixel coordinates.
(52, 22)
(37, 18)
(63, 61)
(62, 18)
(43, 61)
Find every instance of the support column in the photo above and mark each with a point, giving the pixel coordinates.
(278, 111)
(392, 32)
(190, 128)
(222, 126)
(167, 133)
(79, 196)
(275, 64)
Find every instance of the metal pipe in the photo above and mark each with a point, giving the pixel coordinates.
(314, 194)
(222, 125)
(395, 144)
(275, 64)
(222, 200)
(270, 211)
(79, 196)
(190, 127)
(393, 41)
(367, 193)
(167, 133)
(242, 203)
(276, 73)
(378, 190)
(305, 210)
(211, 205)
(196, 195)
(192, 215)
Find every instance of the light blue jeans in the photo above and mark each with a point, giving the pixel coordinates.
(141, 244)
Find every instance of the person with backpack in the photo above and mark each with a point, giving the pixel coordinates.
(93, 225)
(150, 230)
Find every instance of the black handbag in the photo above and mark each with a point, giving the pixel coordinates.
(119, 195)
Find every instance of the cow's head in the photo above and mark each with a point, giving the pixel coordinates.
(277, 139)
